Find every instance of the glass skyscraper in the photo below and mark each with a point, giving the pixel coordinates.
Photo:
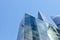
(32, 28)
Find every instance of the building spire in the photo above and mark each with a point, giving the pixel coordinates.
(42, 17)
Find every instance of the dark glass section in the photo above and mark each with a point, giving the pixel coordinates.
(58, 31)
(58, 25)
(29, 20)
(39, 16)
(34, 28)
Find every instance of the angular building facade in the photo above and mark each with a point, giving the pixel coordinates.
(32, 28)
(56, 19)
(29, 27)
(55, 31)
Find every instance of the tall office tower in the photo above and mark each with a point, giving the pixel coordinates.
(32, 29)
(28, 29)
(54, 32)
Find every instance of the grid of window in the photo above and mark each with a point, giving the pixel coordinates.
(31, 32)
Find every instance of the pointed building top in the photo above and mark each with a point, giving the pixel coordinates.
(27, 15)
(42, 17)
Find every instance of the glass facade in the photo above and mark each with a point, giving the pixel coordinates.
(43, 18)
(32, 28)
(43, 26)
(31, 31)
(42, 30)
(54, 33)
(56, 19)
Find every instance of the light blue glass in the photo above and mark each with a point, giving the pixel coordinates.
(32, 29)
(56, 19)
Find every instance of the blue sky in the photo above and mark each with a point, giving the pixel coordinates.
(12, 12)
